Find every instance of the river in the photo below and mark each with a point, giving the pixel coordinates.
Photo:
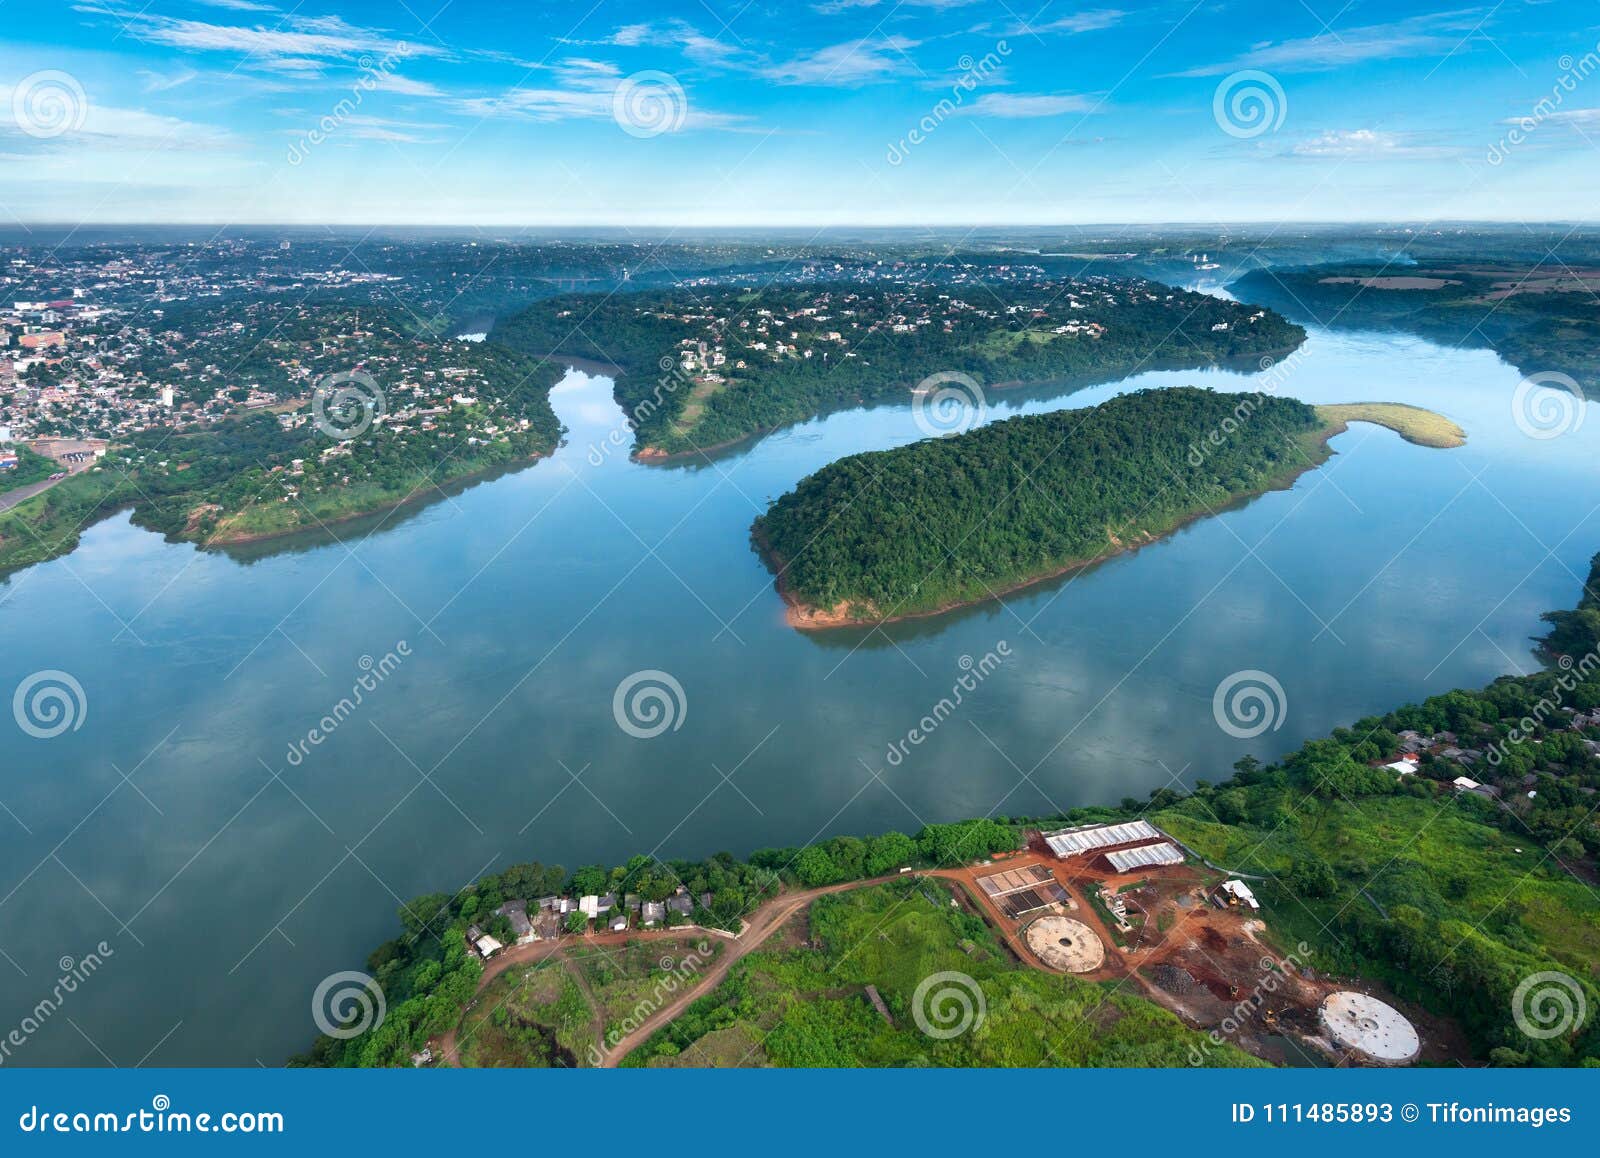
(229, 862)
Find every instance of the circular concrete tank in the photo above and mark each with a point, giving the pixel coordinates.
(1378, 1030)
(1065, 944)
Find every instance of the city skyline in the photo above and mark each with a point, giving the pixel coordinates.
(845, 113)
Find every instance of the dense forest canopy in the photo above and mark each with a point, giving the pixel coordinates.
(701, 367)
(952, 520)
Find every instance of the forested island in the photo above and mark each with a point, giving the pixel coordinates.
(700, 368)
(1449, 890)
(1538, 316)
(943, 522)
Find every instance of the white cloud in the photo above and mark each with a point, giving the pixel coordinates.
(1366, 145)
(1434, 35)
(1021, 105)
(165, 81)
(403, 85)
(323, 37)
(1577, 118)
(108, 127)
(854, 62)
(1077, 22)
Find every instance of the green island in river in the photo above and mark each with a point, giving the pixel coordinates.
(944, 522)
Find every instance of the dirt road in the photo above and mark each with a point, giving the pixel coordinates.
(766, 920)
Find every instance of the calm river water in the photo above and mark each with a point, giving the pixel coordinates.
(228, 879)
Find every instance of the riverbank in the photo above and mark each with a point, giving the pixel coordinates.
(55, 524)
(1301, 936)
(1414, 424)
(903, 395)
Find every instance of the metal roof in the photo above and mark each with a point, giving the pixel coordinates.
(1145, 854)
(1088, 837)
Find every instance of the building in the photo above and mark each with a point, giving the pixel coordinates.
(517, 913)
(1123, 847)
(1087, 838)
(1235, 894)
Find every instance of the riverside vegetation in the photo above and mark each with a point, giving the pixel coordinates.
(700, 369)
(449, 410)
(1451, 899)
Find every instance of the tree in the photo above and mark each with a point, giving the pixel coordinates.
(815, 867)
(889, 851)
(590, 880)
(1312, 877)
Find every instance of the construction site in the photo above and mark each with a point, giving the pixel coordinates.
(1125, 902)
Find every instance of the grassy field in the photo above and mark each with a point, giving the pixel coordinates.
(1412, 423)
(625, 980)
(796, 1004)
(555, 1013)
(535, 1018)
(1465, 902)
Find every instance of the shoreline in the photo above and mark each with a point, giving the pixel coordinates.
(1071, 384)
(803, 616)
(415, 496)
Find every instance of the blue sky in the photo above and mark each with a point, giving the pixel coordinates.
(724, 112)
